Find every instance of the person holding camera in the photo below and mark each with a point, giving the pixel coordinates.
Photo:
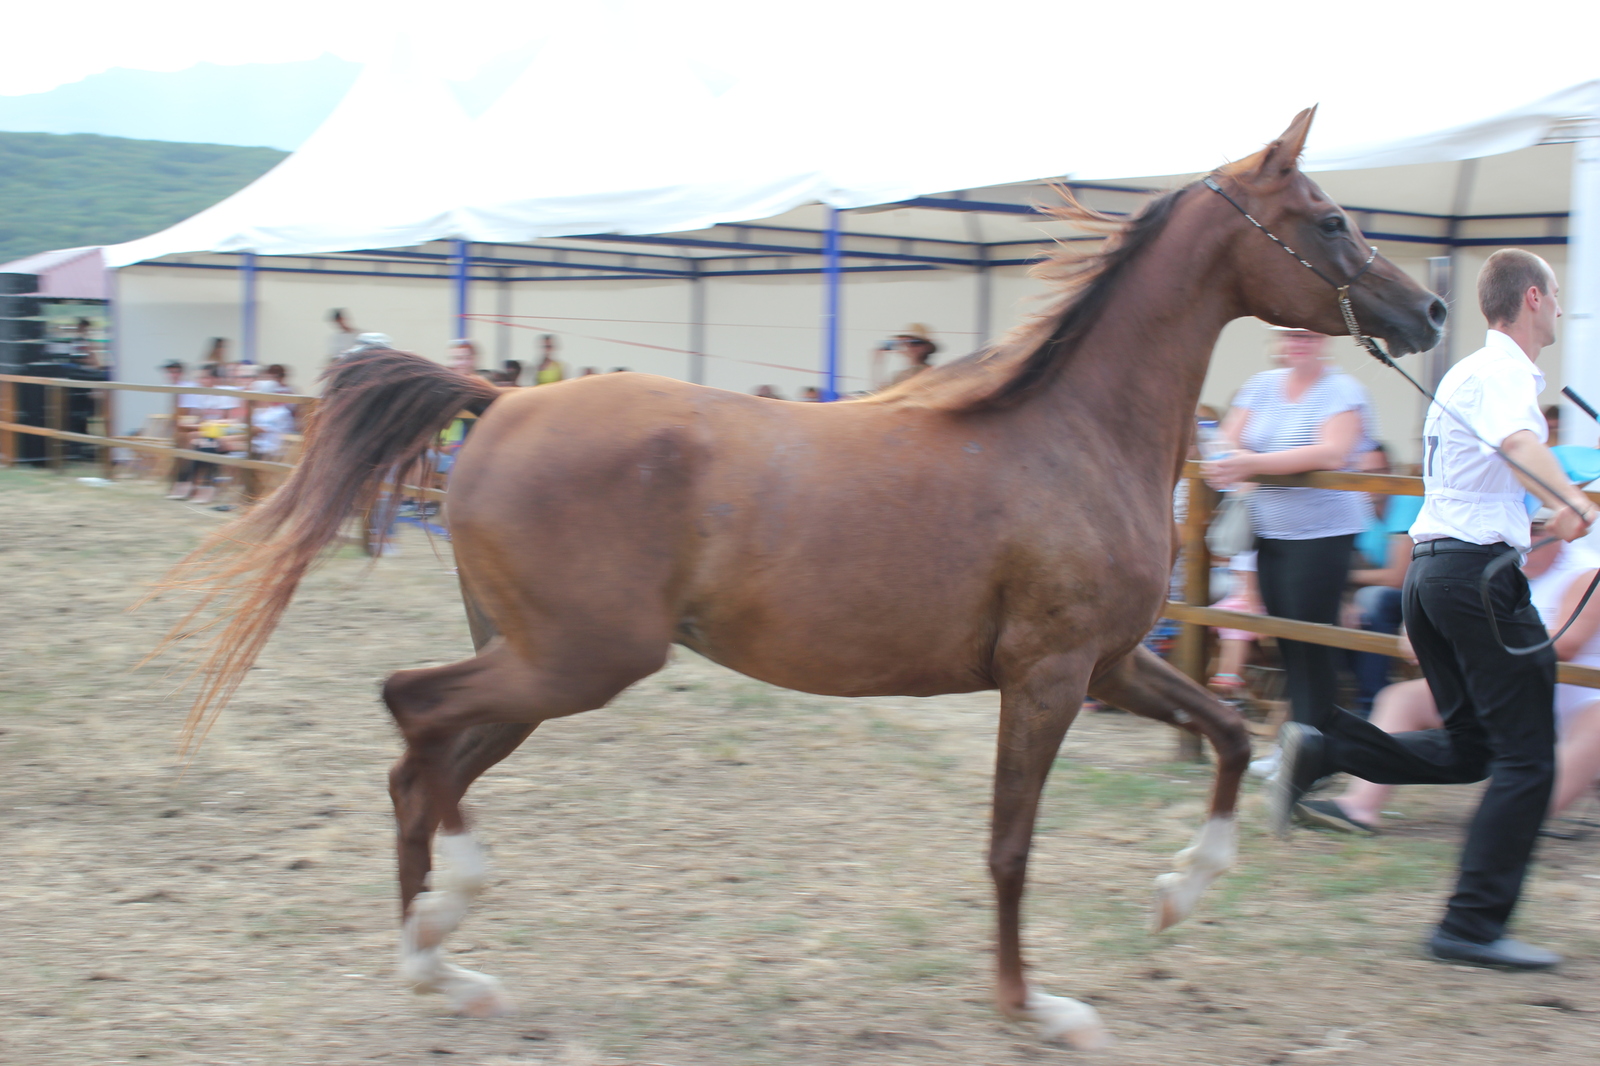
(917, 348)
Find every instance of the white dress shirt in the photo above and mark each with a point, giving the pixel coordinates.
(1470, 493)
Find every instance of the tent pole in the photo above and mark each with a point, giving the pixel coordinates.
(247, 309)
(985, 299)
(1580, 347)
(830, 307)
(113, 326)
(697, 325)
(459, 262)
(502, 333)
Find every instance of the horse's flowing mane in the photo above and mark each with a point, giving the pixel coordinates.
(1031, 355)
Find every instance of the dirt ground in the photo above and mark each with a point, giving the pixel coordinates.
(710, 871)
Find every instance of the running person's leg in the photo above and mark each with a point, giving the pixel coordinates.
(1499, 722)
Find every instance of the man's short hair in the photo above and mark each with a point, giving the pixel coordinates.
(1505, 277)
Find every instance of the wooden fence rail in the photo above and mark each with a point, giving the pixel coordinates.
(1193, 654)
(56, 431)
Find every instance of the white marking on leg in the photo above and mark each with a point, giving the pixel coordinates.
(468, 866)
(437, 913)
(1067, 1020)
(1215, 847)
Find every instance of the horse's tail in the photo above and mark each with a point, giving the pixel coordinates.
(379, 414)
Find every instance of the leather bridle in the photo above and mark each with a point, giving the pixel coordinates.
(1345, 307)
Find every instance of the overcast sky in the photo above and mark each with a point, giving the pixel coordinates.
(172, 35)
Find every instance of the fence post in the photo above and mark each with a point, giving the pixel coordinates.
(55, 406)
(249, 483)
(1192, 653)
(106, 402)
(8, 413)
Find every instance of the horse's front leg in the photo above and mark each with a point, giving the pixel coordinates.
(1147, 686)
(1037, 706)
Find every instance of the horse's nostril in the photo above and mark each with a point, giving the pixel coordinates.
(1437, 312)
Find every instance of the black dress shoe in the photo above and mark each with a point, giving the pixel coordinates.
(1298, 769)
(1502, 954)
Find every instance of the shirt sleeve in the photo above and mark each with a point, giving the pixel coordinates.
(1249, 394)
(1347, 394)
(1507, 403)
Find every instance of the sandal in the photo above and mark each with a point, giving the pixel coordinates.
(1327, 814)
(1231, 684)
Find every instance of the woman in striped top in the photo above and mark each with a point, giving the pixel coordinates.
(1305, 415)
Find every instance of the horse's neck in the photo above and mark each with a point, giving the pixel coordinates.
(1135, 380)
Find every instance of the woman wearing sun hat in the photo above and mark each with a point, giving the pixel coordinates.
(915, 344)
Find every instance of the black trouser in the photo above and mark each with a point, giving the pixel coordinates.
(1304, 580)
(1499, 722)
(198, 472)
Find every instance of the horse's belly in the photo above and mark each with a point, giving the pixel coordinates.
(829, 653)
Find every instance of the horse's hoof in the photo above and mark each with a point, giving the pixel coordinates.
(1075, 1024)
(473, 994)
(1168, 909)
(434, 916)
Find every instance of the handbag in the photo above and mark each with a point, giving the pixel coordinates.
(1232, 530)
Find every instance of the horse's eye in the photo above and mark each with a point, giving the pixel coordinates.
(1333, 224)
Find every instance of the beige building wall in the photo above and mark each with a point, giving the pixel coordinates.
(759, 330)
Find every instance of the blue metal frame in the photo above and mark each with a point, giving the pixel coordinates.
(247, 308)
(461, 268)
(778, 249)
(459, 261)
(829, 255)
(830, 308)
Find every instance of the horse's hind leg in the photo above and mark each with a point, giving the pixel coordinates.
(432, 907)
(416, 815)
(425, 922)
(1147, 686)
(457, 721)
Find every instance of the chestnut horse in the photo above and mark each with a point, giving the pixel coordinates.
(1003, 521)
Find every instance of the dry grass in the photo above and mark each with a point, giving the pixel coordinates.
(708, 872)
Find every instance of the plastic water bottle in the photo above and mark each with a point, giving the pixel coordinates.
(1213, 445)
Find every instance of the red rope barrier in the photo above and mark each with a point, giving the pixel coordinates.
(501, 321)
(720, 325)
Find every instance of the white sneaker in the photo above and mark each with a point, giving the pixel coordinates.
(1266, 766)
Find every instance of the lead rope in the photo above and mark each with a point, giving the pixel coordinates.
(1347, 310)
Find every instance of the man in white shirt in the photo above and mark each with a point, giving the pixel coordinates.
(1499, 719)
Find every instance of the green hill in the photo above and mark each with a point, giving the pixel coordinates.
(67, 190)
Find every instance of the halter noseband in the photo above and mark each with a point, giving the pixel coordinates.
(1345, 307)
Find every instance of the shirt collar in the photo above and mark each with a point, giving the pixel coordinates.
(1501, 344)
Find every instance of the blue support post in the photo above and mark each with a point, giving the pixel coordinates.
(247, 310)
(697, 325)
(459, 261)
(831, 276)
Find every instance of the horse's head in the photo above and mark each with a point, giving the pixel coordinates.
(1269, 188)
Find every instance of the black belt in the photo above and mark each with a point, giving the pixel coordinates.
(1451, 544)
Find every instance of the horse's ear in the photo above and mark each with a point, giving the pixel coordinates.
(1283, 154)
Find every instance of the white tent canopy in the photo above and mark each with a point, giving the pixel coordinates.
(499, 125)
(650, 118)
